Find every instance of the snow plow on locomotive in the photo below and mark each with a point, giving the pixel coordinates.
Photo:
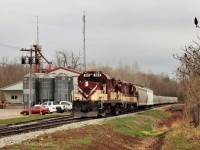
(98, 95)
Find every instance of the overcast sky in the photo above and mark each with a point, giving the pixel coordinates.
(148, 32)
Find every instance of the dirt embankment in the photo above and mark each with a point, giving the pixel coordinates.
(176, 116)
(113, 140)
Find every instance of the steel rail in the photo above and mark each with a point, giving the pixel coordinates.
(39, 125)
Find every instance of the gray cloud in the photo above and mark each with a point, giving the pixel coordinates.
(147, 32)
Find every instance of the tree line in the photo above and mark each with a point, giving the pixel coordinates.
(13, 71)
(160, 83)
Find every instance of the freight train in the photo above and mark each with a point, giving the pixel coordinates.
(99, 94)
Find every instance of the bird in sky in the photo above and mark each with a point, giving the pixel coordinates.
(196, 22)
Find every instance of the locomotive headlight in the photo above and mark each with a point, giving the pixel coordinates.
(92, 98)
(86, 83)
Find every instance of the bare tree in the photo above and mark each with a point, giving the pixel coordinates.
(76, 60)
(68, 59)
(189, 76)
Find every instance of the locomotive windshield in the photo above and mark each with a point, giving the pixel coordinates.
(90, 76)
(93, 79)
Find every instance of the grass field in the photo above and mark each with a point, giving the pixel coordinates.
(28, 118)
(139, 125)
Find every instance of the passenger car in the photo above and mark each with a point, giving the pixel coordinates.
(36, 110)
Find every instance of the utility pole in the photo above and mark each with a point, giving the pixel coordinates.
(30, 85)
(29, 60)
(84, 52)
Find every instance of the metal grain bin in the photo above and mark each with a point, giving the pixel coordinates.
(26, 90)
(71, 87)
(46, 88)
(63, 87)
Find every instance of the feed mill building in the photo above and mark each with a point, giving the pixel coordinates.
(56, 85)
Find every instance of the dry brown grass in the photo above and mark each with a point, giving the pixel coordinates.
(181, 134)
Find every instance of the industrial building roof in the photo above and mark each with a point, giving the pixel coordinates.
(13, 87)
(68, 71)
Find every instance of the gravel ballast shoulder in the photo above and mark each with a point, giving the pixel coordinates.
(16, 139)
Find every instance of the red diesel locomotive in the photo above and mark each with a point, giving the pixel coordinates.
(98, 94)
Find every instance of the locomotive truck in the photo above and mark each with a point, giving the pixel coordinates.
(99, 94)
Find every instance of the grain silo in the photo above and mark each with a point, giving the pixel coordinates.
(46, 88)
(63, 87)
(26, 90)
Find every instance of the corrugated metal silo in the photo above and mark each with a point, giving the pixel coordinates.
(46, 88)
(26, 90)
(71, 87)
(63, 87)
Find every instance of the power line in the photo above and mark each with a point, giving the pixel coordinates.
(10, 46)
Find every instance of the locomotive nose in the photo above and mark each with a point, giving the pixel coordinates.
(88, 89)
(86, 84)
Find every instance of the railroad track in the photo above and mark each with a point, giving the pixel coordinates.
(46, 123)
(40, 124)
(30, 126)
